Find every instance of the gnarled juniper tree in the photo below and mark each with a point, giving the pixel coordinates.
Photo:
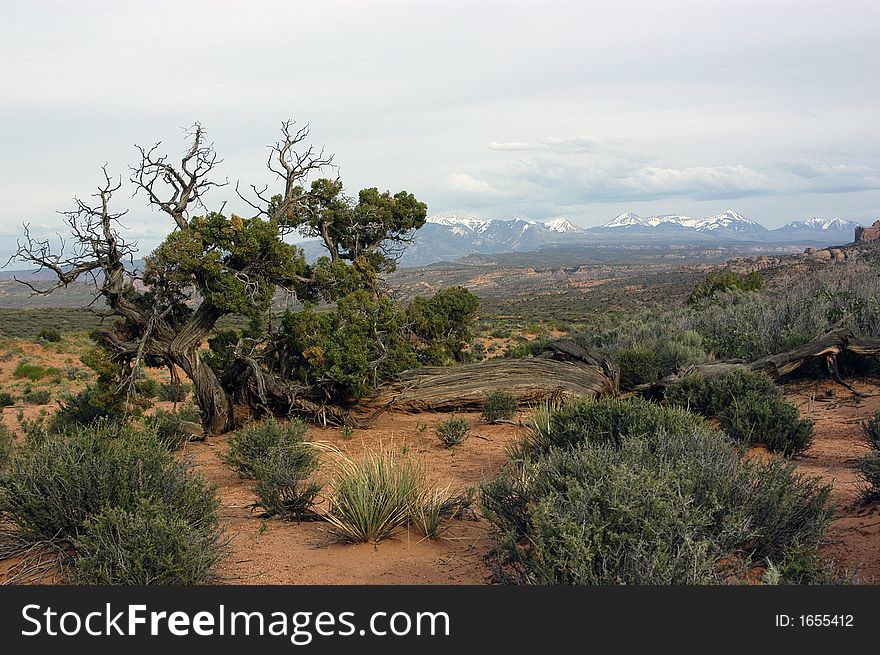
(212, 265)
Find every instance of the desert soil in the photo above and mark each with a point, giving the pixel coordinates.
(270, 551)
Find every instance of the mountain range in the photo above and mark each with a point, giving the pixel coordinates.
(449, 237)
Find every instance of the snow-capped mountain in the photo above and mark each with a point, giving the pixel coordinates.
(728, 221)
(561, 225)
(820, 224)
(448, 237)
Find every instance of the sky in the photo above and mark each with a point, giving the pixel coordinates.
(538, 110)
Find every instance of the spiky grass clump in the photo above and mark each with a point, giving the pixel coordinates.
(433, 506)
(370, 497)
(453, 431)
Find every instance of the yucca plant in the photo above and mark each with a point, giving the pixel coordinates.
(433, 505)
(371, 496)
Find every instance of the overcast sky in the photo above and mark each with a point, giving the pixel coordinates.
(508, 109)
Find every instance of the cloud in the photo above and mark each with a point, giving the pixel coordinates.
(466, 184)
(606, 180)
(809, 177)
(579, 143)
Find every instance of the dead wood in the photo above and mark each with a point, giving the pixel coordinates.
(825, 349)
(562, 370)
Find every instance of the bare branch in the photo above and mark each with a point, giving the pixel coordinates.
(174, 190)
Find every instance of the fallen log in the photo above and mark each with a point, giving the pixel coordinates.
(562, 370)
(825, 349)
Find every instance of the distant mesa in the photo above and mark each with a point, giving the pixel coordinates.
(867, 234)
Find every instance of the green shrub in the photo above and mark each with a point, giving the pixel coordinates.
(83, 409)
(124, 504)
(250, 446)
(774, 422)
(48, 334)
(453, 431)
(610, 420)
(283, 488)
(750, 407)
(189, 413)
(168, 428)
(5, 444)
(627, 504)
(147, 387)
(32, 372)
(872, 430)
(150, 543)
(869, 468)
(637, 366)
(6, 399)
(682, 349)
(371, 496)
(499, 405)
(717, 282)
(36, 396)
(173, 391)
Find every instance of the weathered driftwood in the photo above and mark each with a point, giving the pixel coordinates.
(824, 349)
(563, 369)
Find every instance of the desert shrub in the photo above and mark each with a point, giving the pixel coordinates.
(681, 349)
(75, 485)
(453, 431)
(83, 409)
(249, 447)
(147, 387)
(189, 413)
(48, 334)
(525, 348)
(710, 395)
(36, 396)
(869, 468)
(717, 282)
(637, 365)
(499, 405)
(750, 407)
(168, 428)
(655, 358)
(283, 488)
(6, 399)
(609, 420)
(872, 430)
(32, 372)
(371, 496)
(774, 422)
(149, 543)
(647, 507)
(5, 444)
(173, 391)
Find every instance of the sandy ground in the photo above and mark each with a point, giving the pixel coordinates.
(854, 537)
(277, 552)
(270, 551)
